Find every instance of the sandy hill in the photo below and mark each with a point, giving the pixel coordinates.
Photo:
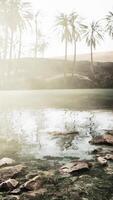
(98, 57)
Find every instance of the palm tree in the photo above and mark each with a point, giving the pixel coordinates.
(36, 32)
(19, 16)
(75, 23)
(42, 47)
(24, 20)
(109, 25)
(4, 24)
(92, 34)
(62, 22)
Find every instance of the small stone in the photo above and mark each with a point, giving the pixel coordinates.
(109, 157)
(6, 161)
(102, 161)
(12, 197)
(34, 184)
(8, 185)
(10, 172)
(34, 194)
(77, 166)
(16, 191)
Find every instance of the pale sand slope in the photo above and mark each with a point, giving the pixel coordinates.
(99, 57)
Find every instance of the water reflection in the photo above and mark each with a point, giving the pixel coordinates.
(26, 133)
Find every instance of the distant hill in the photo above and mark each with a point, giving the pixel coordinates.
(98, 57)
(31, 73)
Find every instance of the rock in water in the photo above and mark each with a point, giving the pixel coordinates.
(108, 138)
(10, 184)
(77, 166)
(109, 156)
(10, 172)
(103, 139)
(6, 161)
(97, 140)
(102, 161)
(34, 183)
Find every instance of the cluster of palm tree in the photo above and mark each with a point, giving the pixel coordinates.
(16, 17)
(73, 29)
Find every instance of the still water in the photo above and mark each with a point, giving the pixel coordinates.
(28, 121)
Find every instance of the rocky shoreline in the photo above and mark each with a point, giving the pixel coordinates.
(60, 179)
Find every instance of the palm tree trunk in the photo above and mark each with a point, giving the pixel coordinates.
(11, 44)
(6, 43)
(20, 43)
(65, 68)
(92, 69)
(36, 39)
(66, 49)
(75, 52)
(74, 59)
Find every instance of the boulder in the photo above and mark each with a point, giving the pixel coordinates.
(10, 184)
(10, 172)
(77, 166)
(109, 156)
(103, 139)
(34, 184)
(6, 161)
(16, 191)
(102, 161)
(108, 138)
(97, 140)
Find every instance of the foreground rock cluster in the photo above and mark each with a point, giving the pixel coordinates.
(55, 179)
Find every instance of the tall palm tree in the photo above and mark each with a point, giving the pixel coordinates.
(75, 23)
(92, 34)
(42, 47)
(62, 22)
(4, 8)
(25, 18)
(36, 32)
(19, 16)
(109, 25)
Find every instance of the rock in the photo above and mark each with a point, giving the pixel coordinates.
(34, 194)
(34, 184)
(108, 138)
(31, 175)
(103, 139)
(55, 133)
(12, 197)
(95, 151)
(6, 161)
(16, 191)
(77, 166)
(10, 184)
(109, 157)
(97, 140)
(48, 173)
(102, 161)
(10, 172)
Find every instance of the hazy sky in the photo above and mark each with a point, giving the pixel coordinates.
(89, 9)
